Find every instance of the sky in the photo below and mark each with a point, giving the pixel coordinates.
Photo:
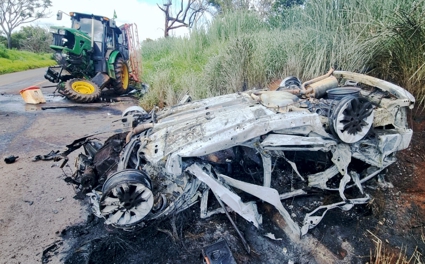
(145, 13)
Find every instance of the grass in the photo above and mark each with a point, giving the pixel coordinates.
(401, 55)
(237, 51)
(14, 60)
(382, 255)
(226, 58)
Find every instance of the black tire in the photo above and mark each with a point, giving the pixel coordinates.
(81, 90)
(121, 81)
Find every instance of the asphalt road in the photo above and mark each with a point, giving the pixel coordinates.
(36, 204)
(12, 83)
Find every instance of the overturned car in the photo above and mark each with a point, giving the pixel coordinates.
(251, 146)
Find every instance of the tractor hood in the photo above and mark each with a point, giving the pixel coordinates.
(70, 40)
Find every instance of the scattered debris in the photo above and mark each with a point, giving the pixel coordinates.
(29, 202)
(88, 105)
(272, 236)
(317, 139)
(218, 253)
(10, 159)
(50, 251)
(52, 155)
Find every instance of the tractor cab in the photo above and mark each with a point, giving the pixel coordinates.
(104, 37)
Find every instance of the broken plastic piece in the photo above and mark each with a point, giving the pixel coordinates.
(32, 95)
(218, 253)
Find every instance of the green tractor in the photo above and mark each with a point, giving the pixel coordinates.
(92, 55)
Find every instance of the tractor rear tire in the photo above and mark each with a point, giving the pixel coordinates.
(81, 90)
(120, 83)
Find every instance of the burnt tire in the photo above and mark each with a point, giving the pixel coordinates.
(352, 119)
(121, 81)
(81, 90)
(127, 198)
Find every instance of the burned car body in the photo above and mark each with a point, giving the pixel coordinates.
(271, 145)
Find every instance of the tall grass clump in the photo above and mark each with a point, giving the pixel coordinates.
(400, 53)
(212, 61)
(171, 75)
(383, 38)
(334, 34)
(241, 50)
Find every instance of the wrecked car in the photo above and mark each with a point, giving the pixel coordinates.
(328, 135)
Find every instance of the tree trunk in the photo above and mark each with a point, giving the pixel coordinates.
(9, 40)
(166, 34)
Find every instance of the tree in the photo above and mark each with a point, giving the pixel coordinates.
(35, 39)
(280, 5)
(15, 39)
(14, 13)
(186, 16)
(224, 6)
(280, 10)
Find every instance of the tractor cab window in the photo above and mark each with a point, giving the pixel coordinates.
(121, 40)
(110, 38)
(84, 24)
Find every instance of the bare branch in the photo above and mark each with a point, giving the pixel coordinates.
(161, 8)
(14, 13)
(185, 17)
(179, 26)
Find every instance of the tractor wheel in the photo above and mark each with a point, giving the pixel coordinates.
(81, 90)
(120, 83)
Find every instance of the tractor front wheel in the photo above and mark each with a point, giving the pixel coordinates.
(120, 83)
(81, 90)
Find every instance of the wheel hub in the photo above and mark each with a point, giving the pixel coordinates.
(124, 76)
(83, 87)
(127, 198)
(352, 119)
(355, 115)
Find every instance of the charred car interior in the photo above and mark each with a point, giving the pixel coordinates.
(327, 136)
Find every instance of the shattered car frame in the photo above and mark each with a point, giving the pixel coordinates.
(250, 146)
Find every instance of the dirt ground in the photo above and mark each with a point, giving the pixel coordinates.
(40, 221)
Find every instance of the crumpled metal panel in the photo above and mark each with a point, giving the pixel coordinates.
(277, 99)
(397, 91)
(266, 194)
(379, 152)
(232, 132)
(246, 210)
(289, 142)
(311, 220)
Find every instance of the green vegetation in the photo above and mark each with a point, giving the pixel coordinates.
(30, 38)
(14, 60)
(383, 38)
